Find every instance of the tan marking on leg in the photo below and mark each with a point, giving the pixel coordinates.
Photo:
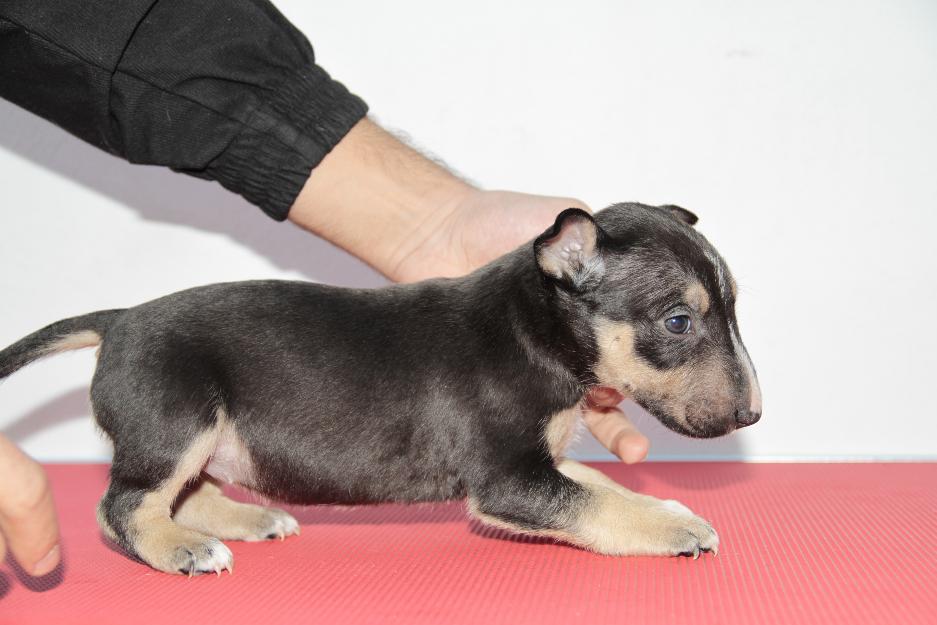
(561, 429)
(208, 511)
(579, 472)
(617, 521)
(637, 525)
(162, 543)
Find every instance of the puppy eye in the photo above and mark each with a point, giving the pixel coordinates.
(678, 325)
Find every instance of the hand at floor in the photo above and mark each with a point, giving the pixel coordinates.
(28, 526)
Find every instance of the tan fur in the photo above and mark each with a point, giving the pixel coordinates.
(697, 296)
(616, 521)
(620, 367)
(208, 511)
(78, 340)
(560, 430)
(587, 475)
(156, 538)
(633, 525)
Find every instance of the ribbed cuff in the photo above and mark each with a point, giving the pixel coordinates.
(285, 138)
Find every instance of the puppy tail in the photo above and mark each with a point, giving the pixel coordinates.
(74, 333)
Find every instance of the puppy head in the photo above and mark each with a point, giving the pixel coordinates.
(657, 305)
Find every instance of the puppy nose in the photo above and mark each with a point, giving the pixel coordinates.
(746, 417)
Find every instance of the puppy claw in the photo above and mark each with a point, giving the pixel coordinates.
(680, 532)
(196, 558)
(275, 524)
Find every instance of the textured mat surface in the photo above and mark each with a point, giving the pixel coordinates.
(820, 543)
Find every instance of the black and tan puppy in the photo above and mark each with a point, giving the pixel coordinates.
(445, 389)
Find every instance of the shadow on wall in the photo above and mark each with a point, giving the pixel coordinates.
(158, 194)
(72, 405)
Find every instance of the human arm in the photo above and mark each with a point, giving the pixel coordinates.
(226, 90)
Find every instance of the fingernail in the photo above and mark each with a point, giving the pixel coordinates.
(48, 562)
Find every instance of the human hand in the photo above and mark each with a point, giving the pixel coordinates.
(412, 219)
(483, 225)
(28, 525)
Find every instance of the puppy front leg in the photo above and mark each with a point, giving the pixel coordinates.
(582, 506)
(581, 473)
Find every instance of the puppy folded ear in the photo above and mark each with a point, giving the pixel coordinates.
(680, 213)
(569, 251)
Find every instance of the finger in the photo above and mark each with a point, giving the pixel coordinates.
(604, 397)
(27, 511)
(612, 428)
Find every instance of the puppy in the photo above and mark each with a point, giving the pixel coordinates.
(445, 389)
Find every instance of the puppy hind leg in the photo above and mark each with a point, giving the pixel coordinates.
(136, 511)
(205, 509)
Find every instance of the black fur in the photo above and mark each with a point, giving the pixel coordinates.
(421, 392)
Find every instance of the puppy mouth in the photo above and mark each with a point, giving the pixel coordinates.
(695, 426)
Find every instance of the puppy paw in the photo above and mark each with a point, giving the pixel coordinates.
(273, 523)
(196, 558)
(679, 532)
(639, 525)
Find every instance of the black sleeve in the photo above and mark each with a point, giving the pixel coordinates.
(226, 90)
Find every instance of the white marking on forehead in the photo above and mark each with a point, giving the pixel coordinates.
(720, 272)
(742, 355)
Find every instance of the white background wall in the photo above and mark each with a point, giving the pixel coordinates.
(803, 133)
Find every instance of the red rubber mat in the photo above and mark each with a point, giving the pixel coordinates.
(801, 543)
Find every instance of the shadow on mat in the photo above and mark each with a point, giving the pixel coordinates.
(44, 583)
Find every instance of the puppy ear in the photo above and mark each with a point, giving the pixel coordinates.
(680, 213)
(569, 251)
